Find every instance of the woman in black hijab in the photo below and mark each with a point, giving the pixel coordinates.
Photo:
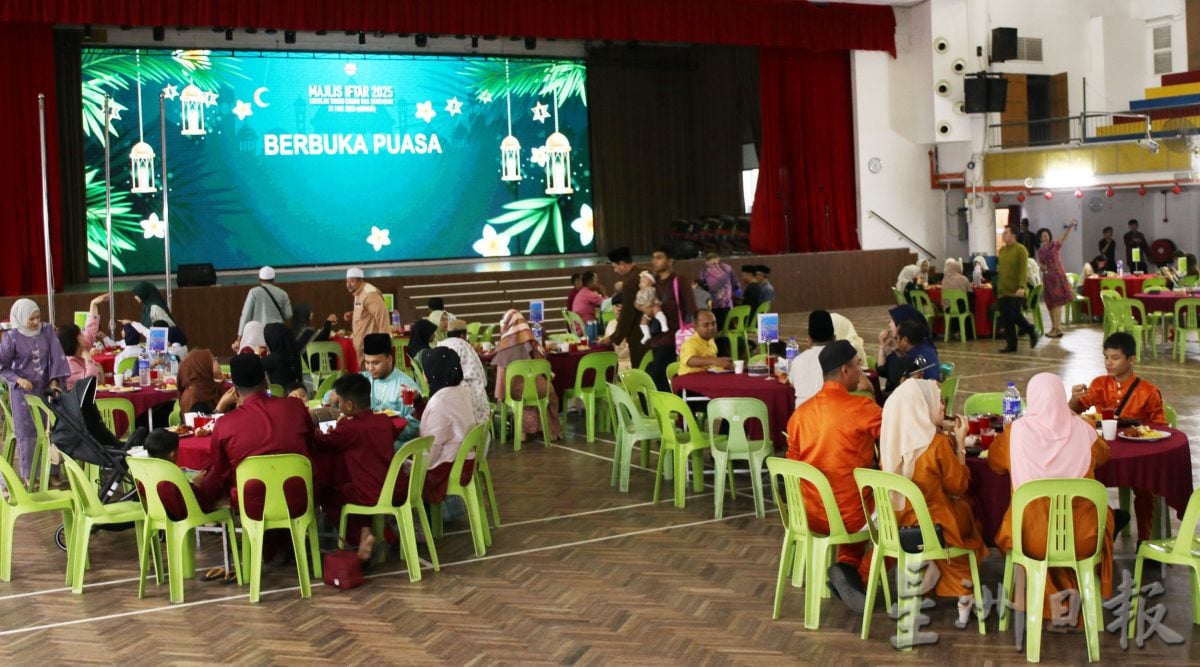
(282, 363)
(443, 368)
(448, 417)
(423, 332)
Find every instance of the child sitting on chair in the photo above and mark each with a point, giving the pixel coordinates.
(653, 320)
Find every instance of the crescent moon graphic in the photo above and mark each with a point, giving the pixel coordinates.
(258, 97)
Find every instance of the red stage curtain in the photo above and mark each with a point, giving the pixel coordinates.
(27, 52)
(782, 23)
(805, 200)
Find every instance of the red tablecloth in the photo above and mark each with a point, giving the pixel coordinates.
(348, 353)
(566, 364)
(779, 397)
(1091, 289)
(105, 360)
(1163, 467)
(1161, 302)
(984, 298)
(195, 452)
(142, 399)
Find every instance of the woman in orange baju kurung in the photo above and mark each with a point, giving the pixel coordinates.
(1052, 442)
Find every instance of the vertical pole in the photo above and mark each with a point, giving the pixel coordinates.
(162, 120)
(112, 311)
(46, 212)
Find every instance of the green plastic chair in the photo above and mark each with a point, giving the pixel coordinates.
(149, 473)
(1112, 310)
(737, 446)
(10, 434)
(326, 385)
(752, 323)
(957, 311)
(110, 407)
(473, 332)
(1129, 315)
(898, 294)
(1181, 550)
(418, 374)
(275, 390)
(806, 554)
(921, 301)
(633, 428)
(471, 493)
(985, 403)
(483, 472)
(757, 359)
(126, 365)
(21, 502)
(681, 445)
(735, 331)
(1060, 552)
(574, 323)
(602, 366)
(1033, 300)
(321, 351)
(885, 537)
(1189, 281)
(273, 470)
(1115, 284)
(416, 451)
(672, 370)
(400, 352)
(640, 387)
(176, 416)
(529, 370)
(950, 394)
(644, 364)
(1187, 322)
(1079, 303)
(488, 332)
(90, 512)
(1154, 281)
(43, 421)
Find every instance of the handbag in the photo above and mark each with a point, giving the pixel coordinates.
(912, 542)
(685, 329)
(342, 569)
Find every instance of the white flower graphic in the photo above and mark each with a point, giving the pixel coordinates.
(425, 111)
(379, 238)
(540, 156)
(350, 69)
(154, 228)
(492, 244)
(583, 225)
(242, 109)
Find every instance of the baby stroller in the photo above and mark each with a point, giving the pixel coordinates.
(79, 432)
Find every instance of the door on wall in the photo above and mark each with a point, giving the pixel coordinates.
(1014, 120)
(1060, 127)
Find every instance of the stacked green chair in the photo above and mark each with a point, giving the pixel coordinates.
(21, 502)
(1180, 550)
(682, 446)
(640, 387)
(601, 366)
(737, 446)
(958, 311)
(322, 351)
(43, 421)
(149, 474)
(273, 470)
(885, 538)
(735, 331)
(530, 370)
(1060, 552)
(806, 554)
(109, 408)
(633, 428)
(89, 512)
(1187, 322)
(416, 452)
(471, 493)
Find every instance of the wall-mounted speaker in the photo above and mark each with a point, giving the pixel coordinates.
(944, 128)
(941, 45)
(943, 88)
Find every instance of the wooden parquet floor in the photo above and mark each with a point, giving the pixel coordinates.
(578, 574)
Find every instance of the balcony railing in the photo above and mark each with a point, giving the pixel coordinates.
(1084, 128)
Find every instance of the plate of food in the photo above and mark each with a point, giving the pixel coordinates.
(719, 371)
(180, 430)
(1142, 434)
(113, 389)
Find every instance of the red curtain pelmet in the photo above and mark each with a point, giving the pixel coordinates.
(805, 199)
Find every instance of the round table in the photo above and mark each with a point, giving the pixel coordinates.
(985, 297)
(1163, 468)
(195, 452)
(1091, 289)
(143, 398)
(1161, 302)
(780, 397)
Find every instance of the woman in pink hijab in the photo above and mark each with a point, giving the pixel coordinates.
(1051, 442)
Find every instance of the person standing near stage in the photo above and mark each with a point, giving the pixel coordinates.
(718, 278)
(370, 313)
(1010, 291)
(628, 329)
(264, 303)
(675, 297)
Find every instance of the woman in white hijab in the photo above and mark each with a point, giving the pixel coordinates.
(253, 340)
(911, 445)
(31, 362)
(843, 329)
(907, 280)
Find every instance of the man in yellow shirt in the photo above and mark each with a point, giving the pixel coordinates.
(699, 352)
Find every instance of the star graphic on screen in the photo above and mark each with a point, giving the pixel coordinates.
(425, 111)
(170, 92)
(541, 112)
(453, 106)
(210, 99)
(114, 113)
(242, 109)
(379, 238)
(485, 97)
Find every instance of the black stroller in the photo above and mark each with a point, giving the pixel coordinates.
(79, 432)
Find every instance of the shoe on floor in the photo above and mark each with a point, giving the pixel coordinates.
(1008, 350)
(846, 585)
(1033, 339)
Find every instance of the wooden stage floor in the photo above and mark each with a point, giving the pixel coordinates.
(578, 574)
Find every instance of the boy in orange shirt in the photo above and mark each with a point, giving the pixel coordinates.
(1127, 396)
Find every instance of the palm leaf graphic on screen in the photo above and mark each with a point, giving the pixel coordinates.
(125, 225)
(567, 78)
(534, 215)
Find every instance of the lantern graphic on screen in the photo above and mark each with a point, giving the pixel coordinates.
(191, 111)
(558, 165)
(510, 148)
(141, 158)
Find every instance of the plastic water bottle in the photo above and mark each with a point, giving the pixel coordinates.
(793, 350)
(143, 368)
(1012, 403)
(1120, 268)
(536, 329)
(395, 319)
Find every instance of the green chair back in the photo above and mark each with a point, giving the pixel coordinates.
(273, 470)
(989, 403)
(757, 359)
(414, 456)
(149, 474)
(1187, 322)
(672, 370)
(43, 420)
(1172, 417)
(575, 323)
(10, 434)
(473, 446)
(1129, 315)
(21, 502)
(644, 364)
(898, 294)
(109, 409)
(176, 416)
(1154, 281)
(633, 427)
(1180, 550)
(752, 324)
(921, 301)
(1115, 284)
(488, 332)
(529, 371)
(400, 352)
(126, 365)
(321, 351)
(956, 310)
(592, 376)
(276, 390)
(473, 332)
(888, 489)
(418, 374)
(326, 385)
(1074, 279)
(949, 394)
(805, 555)
(1153, 289)
(735, 331)
(691, 443)
(738, 446)
(1033, 298)
(89, 512)
(1189, 281)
